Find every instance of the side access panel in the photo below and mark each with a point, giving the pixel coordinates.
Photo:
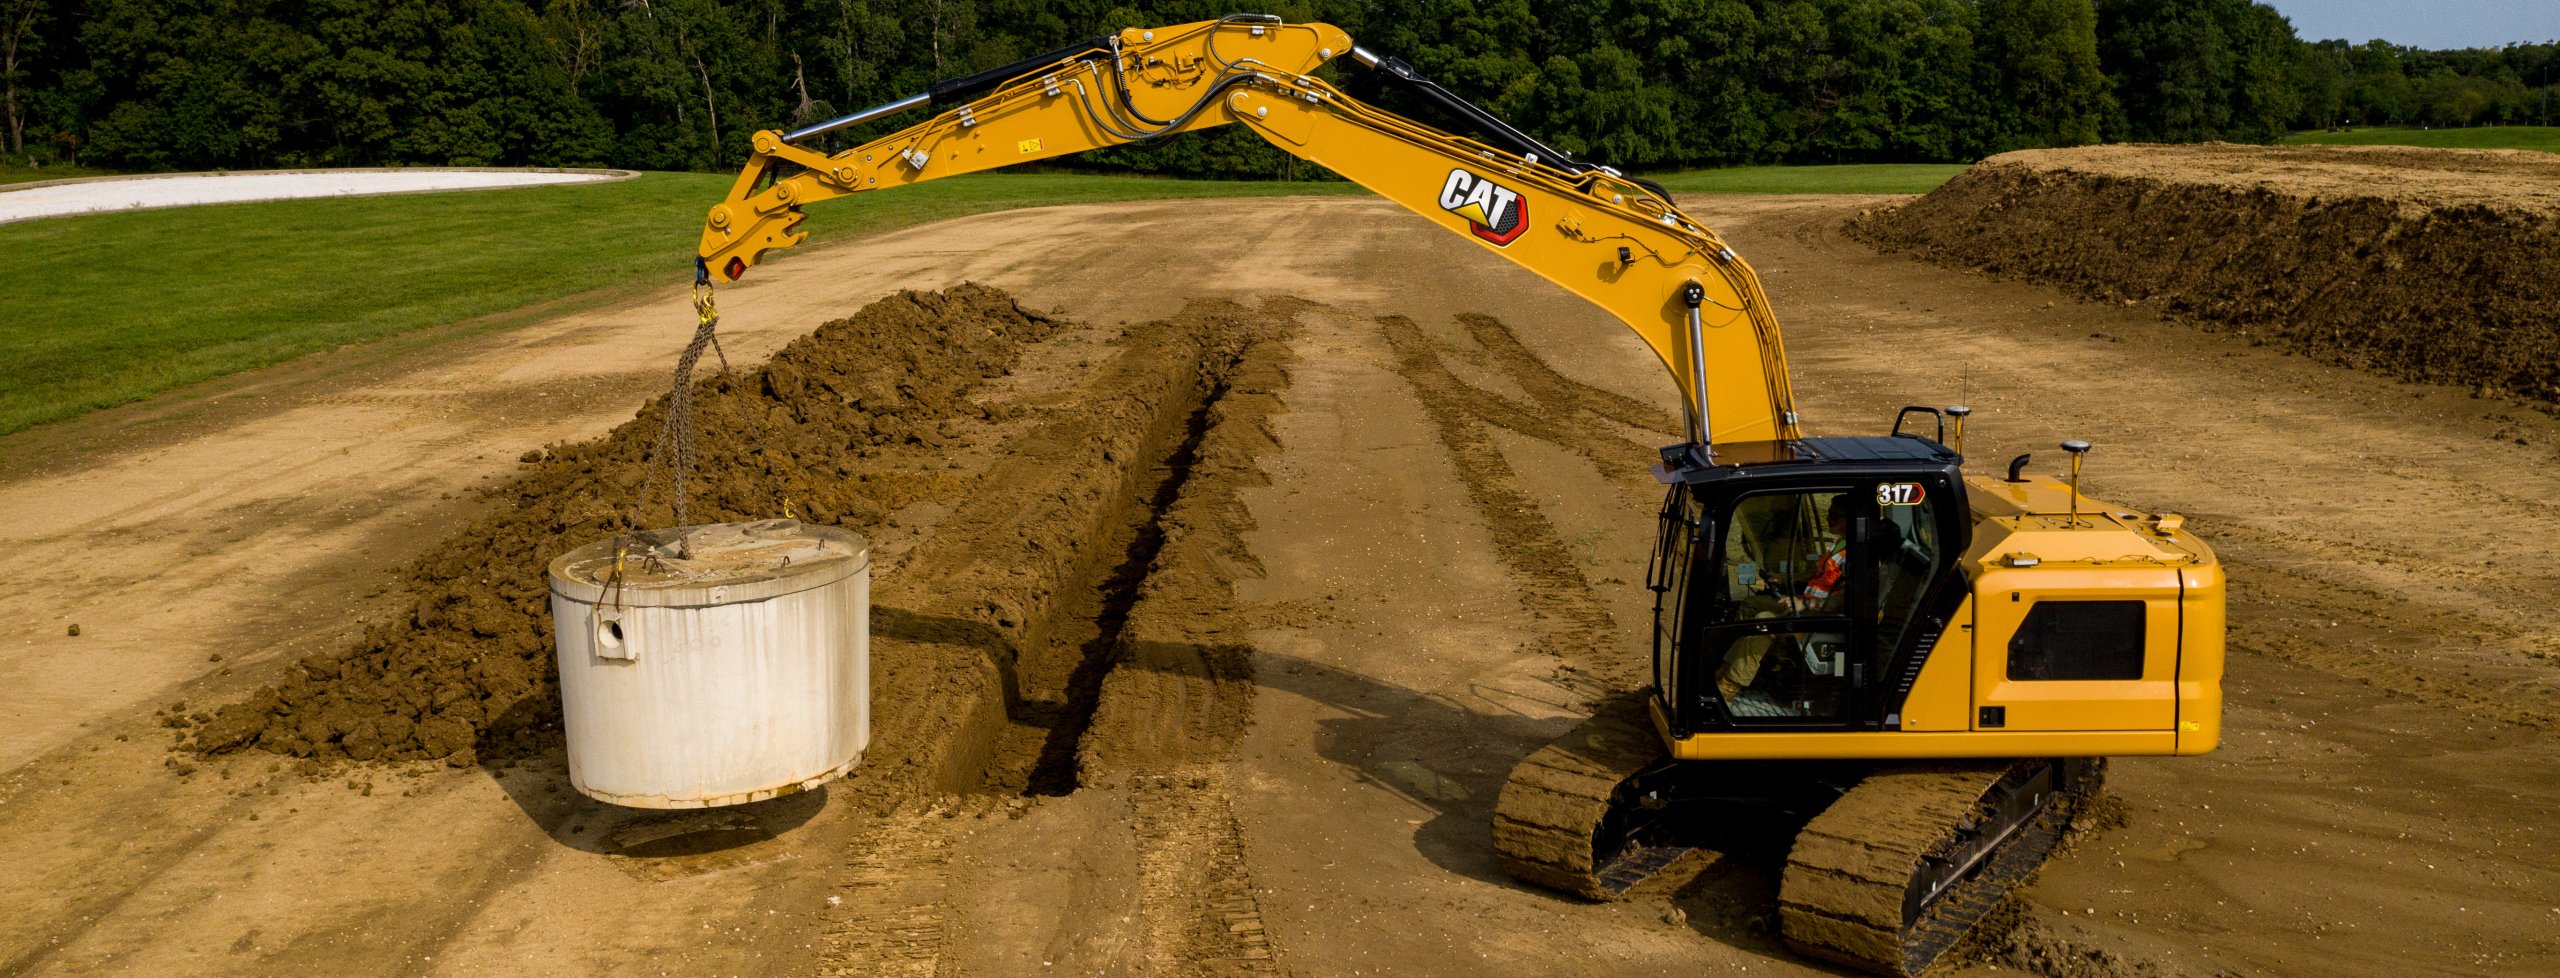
(2143, 698)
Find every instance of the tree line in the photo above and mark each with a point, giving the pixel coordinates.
(1640, 84)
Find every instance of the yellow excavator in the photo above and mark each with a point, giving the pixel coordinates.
(1927, 668)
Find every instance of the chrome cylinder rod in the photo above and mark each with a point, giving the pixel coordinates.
(858, 118)
(1700, 431)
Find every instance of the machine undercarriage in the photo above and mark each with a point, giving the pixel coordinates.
(1892, 864)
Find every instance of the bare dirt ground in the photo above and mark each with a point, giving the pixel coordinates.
(1347, 555)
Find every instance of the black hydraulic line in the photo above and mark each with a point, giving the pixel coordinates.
(962, 89)
(1207, 98)
(1488, 127)
(1122, 83)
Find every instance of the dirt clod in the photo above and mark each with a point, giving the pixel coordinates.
(2037, 949)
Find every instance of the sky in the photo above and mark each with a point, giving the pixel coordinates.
(2425, 23)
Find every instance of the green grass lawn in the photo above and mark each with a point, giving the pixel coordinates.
(1854, 178)
(25, 174)
(114, 308)
(2544, 138)
(110, 308)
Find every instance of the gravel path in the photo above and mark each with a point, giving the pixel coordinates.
(183, 189)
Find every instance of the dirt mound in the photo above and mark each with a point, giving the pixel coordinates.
(818, 430)
(2427, 265)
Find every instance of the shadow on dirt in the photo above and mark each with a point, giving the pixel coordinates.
(1452, 759)
(538, 780)
(1444, 756)
(648, 843)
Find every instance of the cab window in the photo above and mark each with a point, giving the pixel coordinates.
(1786, 575)
(1683, 519)
(1785, 555)
(2078, 640)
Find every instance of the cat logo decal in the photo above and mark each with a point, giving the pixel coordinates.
(1498, 213)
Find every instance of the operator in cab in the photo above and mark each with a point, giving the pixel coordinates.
(1819, 594)
(1833, 570)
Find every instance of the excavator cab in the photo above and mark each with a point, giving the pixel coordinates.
(1798, 584)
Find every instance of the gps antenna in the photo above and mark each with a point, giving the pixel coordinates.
(2077, 448)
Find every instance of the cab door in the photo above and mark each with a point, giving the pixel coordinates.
(1675, 546)
(1781, 610)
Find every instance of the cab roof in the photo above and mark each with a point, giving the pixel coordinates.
(1737, 458)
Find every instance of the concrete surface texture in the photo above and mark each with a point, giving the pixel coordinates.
(185, 189)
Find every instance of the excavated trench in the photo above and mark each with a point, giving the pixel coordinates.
(1060, 554)
(1058, 681)
(1077, 602)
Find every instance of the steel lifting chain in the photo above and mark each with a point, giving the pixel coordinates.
(674, 445)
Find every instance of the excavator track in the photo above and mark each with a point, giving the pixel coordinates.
(1904, 864)
(1569, 819)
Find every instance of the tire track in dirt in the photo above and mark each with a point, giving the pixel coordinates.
(2364, 640)
(1567, 413)
(1554, 390)
(1574, 625)
(92, 926)
(893, 901)
(1195, 888)
(143, 870)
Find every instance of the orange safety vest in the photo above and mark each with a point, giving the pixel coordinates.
(1827, 579)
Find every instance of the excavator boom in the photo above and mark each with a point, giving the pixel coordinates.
(1618, 242)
